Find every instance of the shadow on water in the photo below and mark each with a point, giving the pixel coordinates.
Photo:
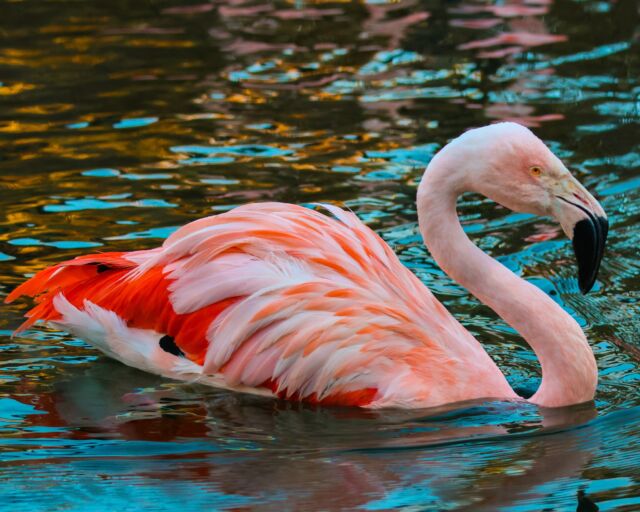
(120, 121)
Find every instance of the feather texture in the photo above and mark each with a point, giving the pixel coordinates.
(271, 298)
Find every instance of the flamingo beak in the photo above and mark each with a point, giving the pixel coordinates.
(585, 223)
(589, 238)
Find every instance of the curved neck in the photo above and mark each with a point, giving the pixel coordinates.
(569, 372)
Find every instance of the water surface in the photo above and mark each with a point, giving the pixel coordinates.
(120, 121)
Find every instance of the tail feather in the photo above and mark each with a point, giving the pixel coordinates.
(48, 282)
(110, 282)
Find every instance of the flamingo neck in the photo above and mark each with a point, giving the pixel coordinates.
(569, 371)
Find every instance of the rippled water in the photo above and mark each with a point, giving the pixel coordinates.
(120, 121)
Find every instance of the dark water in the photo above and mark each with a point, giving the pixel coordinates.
(121, 120)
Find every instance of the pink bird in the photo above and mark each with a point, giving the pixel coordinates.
(280, 300)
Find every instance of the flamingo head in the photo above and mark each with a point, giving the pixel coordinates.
(507, 163)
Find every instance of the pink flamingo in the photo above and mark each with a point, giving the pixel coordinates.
(281, 300)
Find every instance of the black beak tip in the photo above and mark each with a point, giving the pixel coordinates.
(589, 237)
(604, 226)
(585, 285)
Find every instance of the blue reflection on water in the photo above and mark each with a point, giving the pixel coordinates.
(60, 244)
(247, 150)
(74, 205)
(135, 122)
(101, 173)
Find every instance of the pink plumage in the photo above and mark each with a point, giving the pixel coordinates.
(285, 301)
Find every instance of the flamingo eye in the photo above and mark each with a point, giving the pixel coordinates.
(536, 171)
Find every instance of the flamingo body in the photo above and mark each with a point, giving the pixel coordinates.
(282, 300)
(274, 299)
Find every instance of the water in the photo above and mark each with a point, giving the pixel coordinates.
(120, 121)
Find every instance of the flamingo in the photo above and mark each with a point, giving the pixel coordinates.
(284, 301)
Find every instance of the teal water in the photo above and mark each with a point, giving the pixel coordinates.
(120, 121)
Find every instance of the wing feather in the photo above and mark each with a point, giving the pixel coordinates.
(269, 296)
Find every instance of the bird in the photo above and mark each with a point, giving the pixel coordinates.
(309, 304)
